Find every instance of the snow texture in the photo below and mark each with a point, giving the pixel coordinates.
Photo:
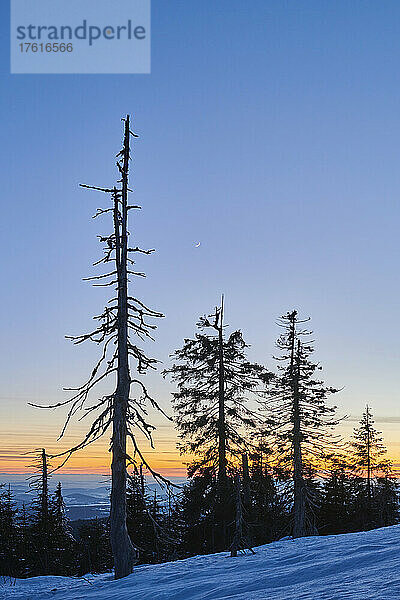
(355, 566)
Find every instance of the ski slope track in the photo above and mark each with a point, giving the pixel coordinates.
(355, 566)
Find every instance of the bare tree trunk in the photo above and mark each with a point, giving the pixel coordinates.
(240, 541)
(142, 487)
(44, 511)
(368, 459)
(299, 501)
(221, 402)
(299, 487)
(122, 548)
(44, 490)
(121, 315)
(299, 506)
(246, 484)
(222, 480)
(238, 535)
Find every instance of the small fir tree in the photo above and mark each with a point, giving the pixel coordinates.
(368, 451)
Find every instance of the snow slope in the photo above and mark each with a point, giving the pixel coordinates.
(356, 566)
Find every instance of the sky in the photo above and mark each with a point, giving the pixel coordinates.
(269, 132)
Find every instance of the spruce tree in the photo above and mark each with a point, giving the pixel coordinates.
(374, 484)
(335, 510)
(40, 530)
(24, 541)
(268, 514)
(9, 558)
(63, 543)
(386, 500)
(368, 451)
(197, 513)
(143, 519)
(48, 541)
(303, 420)
(214, 382)
(94, 549)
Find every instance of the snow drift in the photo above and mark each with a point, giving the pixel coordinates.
(354, 566)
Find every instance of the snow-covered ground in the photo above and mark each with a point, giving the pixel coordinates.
(356, 566)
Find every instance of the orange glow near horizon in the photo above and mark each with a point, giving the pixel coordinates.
(168, 463)
(96, 465)
(88, 468)
(96, 459)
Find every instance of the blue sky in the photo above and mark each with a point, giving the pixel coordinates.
(270, 132)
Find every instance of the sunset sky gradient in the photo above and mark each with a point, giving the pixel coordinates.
(270, 132)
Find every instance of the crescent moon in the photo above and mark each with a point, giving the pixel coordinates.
(198, 244)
